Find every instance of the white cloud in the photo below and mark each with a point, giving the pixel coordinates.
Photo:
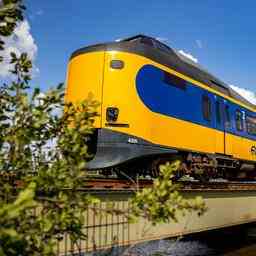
(20, 41)
(162, 39)
(247, 94)
(199, 43)
(189, 56)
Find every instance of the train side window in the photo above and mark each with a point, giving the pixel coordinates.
(174, 81)
(206, 108)
(251, 125)
(227, 117)
(239, 121)
(218, 112)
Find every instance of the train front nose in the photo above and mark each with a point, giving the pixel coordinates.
(108, 149)
(115, 148)
(84, 77)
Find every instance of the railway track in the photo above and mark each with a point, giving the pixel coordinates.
(95, 184)
(126, 185)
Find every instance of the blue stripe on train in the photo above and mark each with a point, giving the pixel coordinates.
(168, 100)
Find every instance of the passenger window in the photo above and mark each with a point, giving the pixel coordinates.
(227, 117)
(206, 108)
(251, 125)
(174, 81)
(239, 121)
(218, 113)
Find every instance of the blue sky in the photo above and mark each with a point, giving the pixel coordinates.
(220, 34)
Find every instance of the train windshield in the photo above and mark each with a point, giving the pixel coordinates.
(146, 40)
(251, 125)
(161, 46)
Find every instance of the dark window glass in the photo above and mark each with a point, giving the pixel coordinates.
(239, 121)
(174, 81)
(251, 125)
(206, 108)
(227, 117)
(147, 41)
(218, 113)
(161, 46)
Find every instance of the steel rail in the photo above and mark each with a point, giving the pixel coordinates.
(127, 185)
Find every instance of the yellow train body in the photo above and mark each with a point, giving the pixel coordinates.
(91, 72)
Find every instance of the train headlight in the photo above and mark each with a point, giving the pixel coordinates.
(117, 64)
(112, 114)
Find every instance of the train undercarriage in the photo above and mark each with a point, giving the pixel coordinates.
(130, 157)
(192, 167)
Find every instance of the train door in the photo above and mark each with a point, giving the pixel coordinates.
(228, 149)
(219, 125)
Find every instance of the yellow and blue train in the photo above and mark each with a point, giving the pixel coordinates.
(157, 105)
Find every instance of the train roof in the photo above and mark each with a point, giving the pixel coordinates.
(167, 56)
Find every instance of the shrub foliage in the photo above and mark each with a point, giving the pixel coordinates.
(43, 158)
